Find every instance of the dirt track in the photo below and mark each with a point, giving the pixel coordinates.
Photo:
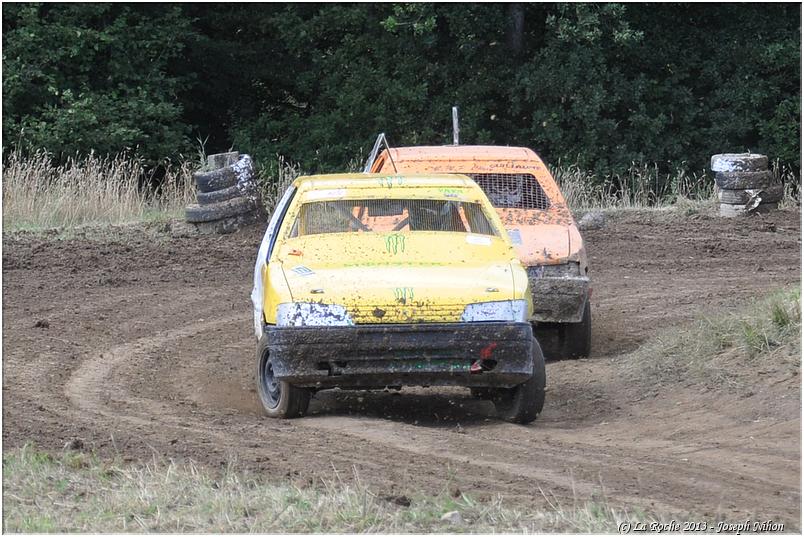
(148, 348)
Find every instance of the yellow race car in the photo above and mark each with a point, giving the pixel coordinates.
(372, 281)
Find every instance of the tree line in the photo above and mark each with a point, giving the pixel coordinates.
(598, 85)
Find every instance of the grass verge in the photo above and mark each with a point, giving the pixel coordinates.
(76, 492)
(726, 349)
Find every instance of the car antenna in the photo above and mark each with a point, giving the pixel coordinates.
(381, 139)
(456, 130)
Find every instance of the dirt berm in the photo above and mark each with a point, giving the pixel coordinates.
(136, 342)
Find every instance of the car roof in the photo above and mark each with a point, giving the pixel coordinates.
(462, 152)
(368, 180)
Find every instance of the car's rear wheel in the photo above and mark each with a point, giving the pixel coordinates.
(279, 399)
(523, 403)
(576, 338)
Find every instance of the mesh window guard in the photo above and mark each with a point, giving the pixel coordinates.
(512, 190)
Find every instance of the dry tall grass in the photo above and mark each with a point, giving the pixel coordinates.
(792, 185)
(643, 186)
(92, 190)
(110, 190)
(274, 180)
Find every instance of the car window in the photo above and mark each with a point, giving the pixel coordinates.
(512, 190)
(386, 215)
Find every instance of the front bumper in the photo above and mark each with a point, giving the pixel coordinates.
(482, 354)
(557, 299)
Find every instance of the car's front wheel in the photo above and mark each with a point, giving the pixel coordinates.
(523, 403)
(279, 399)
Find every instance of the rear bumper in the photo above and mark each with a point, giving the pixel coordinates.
(558, 299)
(439, 354)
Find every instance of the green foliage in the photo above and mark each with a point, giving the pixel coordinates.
(82, 77)
(601, 85)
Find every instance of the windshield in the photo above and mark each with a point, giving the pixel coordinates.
(386, 215)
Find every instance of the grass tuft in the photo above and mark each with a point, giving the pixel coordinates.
(725, 348)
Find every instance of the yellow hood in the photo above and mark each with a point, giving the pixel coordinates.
(401, 277)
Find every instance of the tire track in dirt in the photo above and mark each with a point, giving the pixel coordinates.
(162, 359)
(94, 392)
(545, 464)
(549, 464)
(90, 388)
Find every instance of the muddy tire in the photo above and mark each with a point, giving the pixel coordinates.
(576, 338)
(218, 211)
(739, 162)
(523, 403)
(207, 198)
(731, 211)
(771, 194)
(743, 180)
(215, 180)
(279, 399)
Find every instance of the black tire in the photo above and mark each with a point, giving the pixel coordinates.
(207, 198)
(279, 399)
(743, 180)
(218, 211)
(215, 180)
(771, 194)
(739, 162)
(576, 338)
(523, 403)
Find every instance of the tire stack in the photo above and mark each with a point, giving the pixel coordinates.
(228, 198)
(744, 184)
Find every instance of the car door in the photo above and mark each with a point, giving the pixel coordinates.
(264, 254)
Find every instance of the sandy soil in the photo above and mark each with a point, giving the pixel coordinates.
(140, 342)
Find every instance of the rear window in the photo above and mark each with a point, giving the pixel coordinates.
(387, 215)
(512, 190)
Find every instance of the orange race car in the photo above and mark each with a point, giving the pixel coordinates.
(540, 225)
